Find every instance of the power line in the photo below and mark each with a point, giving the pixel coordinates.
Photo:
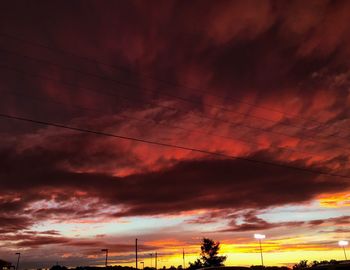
(231, 124)
(152, 142)
(157, 92)
(80, 108)
(127, 70)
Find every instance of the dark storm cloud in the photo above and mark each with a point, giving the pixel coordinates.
(251, 222)
(272, 51)
(11, 224)
(34, 239)
(37, 241)
(241, 47)
(188, 185)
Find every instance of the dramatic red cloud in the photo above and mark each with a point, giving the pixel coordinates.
(264, 81)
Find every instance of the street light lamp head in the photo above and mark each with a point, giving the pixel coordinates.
(259, 236)
(343, 243)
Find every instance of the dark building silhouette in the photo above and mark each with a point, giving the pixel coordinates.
(4, 265)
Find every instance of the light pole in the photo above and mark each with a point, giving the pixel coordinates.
(343, 243)
(260, 237)
(105, 250)
(143, 265)
(19, 255)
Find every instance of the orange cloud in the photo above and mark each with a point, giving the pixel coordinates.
(335, 200)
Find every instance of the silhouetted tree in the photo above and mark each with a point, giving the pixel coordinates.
(315, 263)
(196, 265)
(58, 267)
(209, 253)
(301, 265)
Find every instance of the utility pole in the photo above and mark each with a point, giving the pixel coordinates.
(183, 258)
(106, 250)
(156, 261)
(136, 251)
(151, 259)
(19, 255)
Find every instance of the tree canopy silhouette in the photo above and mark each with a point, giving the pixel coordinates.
(209, 255)
(301, 265)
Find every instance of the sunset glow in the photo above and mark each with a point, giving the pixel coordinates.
(170, 121)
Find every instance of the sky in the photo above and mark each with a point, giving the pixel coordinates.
(224, 119)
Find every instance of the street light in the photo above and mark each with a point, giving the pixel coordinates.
(343, 243)
(105, 250)
(19, 255)
(143, 265)
(260, 237)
